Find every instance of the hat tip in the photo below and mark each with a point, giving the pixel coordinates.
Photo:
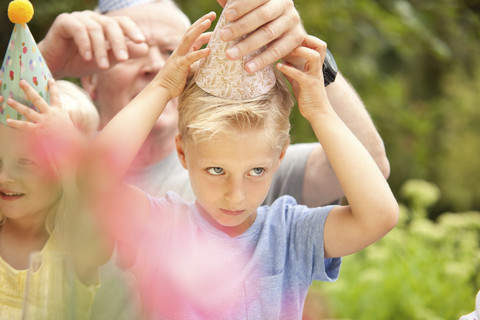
(20, 11)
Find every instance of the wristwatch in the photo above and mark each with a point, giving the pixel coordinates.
(329, 68)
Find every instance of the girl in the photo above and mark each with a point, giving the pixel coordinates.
(36, 202)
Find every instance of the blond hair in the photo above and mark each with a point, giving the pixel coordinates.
(79, 107)
(202, 116)
(85, 117)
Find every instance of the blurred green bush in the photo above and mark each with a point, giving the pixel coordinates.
(421, 270)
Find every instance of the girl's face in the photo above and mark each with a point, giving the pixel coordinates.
(29, 189)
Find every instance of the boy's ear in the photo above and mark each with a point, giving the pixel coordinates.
(284, 151)
(282, 154)
(89, 84)
(180, 150)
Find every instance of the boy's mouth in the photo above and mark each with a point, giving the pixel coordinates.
(11, 195)
(232, 212)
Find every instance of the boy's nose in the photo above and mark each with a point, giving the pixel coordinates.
(235, 191)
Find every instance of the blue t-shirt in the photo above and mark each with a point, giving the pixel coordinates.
(188, 269)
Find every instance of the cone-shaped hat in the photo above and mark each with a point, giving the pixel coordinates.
(22, 60)
(226, 78)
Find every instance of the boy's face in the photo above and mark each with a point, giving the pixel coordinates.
(28, 187)
(231, 176)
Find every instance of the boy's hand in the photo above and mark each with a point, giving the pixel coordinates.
(307, 80)
(50, 123)
(174, 74)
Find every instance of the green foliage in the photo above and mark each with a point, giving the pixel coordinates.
(415, 65)
(420, 270)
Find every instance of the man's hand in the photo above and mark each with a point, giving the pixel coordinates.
(82, 43)
(273, 23)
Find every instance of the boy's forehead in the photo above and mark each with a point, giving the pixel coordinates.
(251, 146)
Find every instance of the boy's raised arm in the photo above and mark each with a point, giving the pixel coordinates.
(120, 140)
(372, 209)
(124, 209)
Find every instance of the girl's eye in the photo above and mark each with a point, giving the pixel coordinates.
(215, 171)
(25, 162)
(257, 171)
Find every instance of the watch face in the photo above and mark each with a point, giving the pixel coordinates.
(329, 68)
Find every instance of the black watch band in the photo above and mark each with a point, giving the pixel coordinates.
(329, 68)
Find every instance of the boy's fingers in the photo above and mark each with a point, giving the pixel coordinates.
(33, 96)
(313, 57)
(194, 32)
(290, 72)
(201, 40)
(316, 44)
(193, 58)
(196, 55)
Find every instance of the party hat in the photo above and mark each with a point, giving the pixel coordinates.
(226, 78)
(112, 5)
(22, 60)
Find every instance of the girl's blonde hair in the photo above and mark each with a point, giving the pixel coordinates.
(202, 115)
(80, 108)
(85, 117)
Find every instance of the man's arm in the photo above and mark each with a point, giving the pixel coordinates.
(319, 174)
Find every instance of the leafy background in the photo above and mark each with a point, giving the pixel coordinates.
(416, 65)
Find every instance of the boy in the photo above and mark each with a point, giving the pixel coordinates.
(223, 256)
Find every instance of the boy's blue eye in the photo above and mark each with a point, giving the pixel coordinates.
(257, 171)
(215, 171)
